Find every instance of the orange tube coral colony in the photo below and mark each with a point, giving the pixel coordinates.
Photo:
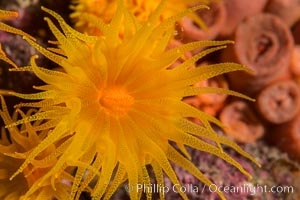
(119, 106)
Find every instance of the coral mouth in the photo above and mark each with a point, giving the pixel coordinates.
(116, 101)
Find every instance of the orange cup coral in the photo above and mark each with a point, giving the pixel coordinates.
(120, 105)
(15, 144)
(141, 9)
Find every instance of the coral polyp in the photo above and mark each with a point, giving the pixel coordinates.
(118, 106)
(141, 9)
(15, 144)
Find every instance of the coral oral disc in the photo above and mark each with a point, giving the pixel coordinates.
(116, 101)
